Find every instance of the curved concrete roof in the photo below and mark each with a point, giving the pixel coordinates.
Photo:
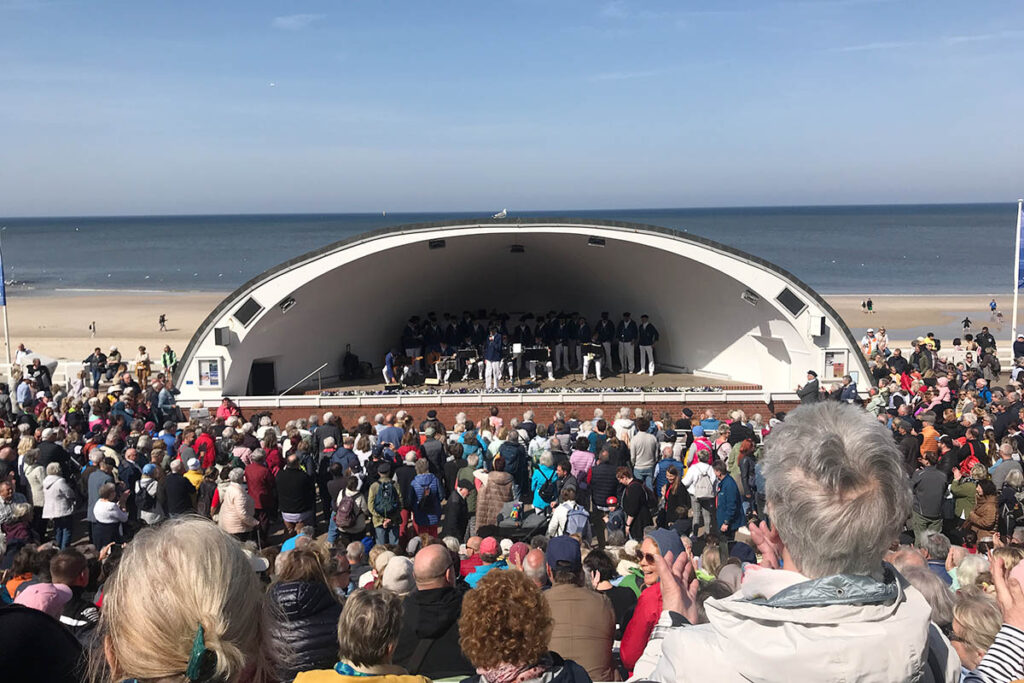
(634, 232)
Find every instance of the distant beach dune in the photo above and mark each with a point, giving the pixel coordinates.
(58, 324)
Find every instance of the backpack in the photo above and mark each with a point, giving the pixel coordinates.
(704, 487)
(577, 522)
(548, 491)
(345, 515)
(385, 501)
(145, 499)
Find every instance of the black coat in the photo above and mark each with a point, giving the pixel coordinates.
(309, 627)
(180, 494)
(603, 483)
(432, 614)
(456, 517)
(294, 491)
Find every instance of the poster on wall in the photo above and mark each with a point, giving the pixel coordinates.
(209, 373)
(835, 364)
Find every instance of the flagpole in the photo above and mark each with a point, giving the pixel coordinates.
(1017, 273)
(3, 296)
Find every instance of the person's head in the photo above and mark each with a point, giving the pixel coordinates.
(433, 568)
(69, 567)
(422, 466)
(836, 489)
(976, 620)
(307, 564)
(209, 596)
(369, 627)
(969, 568)
(489, 549)
(108, 491)
(564, 561)
(935, 545)
(178, 467)
(1014, 479)
(236, 475)
(624, 475)
(721, 469)
(505, 621)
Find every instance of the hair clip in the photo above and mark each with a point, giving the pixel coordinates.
(202, 661)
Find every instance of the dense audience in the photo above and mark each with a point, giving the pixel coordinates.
(872, 537)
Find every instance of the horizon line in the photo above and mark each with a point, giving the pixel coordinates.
(486, 213)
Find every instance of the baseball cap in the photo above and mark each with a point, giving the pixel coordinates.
(257, 562)
(698, 431)
(149, 469)
(489, 546)
(384, 468)
(667, 541)
(564, 553)
(612, 501)
(45, 597)
(431, 414)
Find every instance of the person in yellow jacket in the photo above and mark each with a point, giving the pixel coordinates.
(194, 473)
(367, 636)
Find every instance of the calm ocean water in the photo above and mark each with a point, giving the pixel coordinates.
(948, 248)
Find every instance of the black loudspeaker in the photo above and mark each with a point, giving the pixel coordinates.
(222, 336)
(392, 387)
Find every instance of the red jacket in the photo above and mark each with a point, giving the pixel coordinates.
(262, 487)
(640, 627)
(206, 449)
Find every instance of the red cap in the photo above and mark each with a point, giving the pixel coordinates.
(612, 501)
(489, 546)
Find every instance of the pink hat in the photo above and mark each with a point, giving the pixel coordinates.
(518, 552)
(489, 546)
(45, 597)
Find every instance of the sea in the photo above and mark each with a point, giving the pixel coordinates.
(863, 250)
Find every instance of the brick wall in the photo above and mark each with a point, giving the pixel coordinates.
(543, 411)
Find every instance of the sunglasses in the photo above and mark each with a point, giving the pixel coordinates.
(641, 556)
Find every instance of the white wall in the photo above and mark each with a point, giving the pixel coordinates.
(363, 294)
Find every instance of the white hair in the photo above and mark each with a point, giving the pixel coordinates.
(247, 427)
(177, 466)
(258, 455)
(969, 568)
(228, 433)
(329, 442)
(265, 421)
(836, 488)
(328, 416)
(53, 468)
(528, 416)
(236, 475)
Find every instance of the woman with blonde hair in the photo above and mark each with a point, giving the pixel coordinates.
(976, 620)
(208, 622)
(505, 632)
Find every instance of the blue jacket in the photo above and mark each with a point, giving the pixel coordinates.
(426, 511)
(730, 511)
(346, 458)
(648, 335)
(492, 351)
(541, 475)
(849, 392)
(626, 332)
(481, 571)
(661, 476)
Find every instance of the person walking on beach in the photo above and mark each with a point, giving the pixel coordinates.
(966, 322)
(163, 322)
(92, 329)
(871, 306)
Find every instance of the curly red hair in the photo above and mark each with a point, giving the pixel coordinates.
(505, 620)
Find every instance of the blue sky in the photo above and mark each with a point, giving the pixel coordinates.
(168, 107)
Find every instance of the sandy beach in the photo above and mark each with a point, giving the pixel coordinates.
(58, 325)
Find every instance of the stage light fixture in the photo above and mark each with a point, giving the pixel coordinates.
(750, 297)
(517, 249)
(286, 305)
(436, 244)
(595, 242)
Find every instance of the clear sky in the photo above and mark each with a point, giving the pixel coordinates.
(134, 106)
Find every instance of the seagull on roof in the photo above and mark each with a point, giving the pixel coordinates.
(501, 214)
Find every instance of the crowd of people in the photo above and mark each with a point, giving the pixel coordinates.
(874, 542)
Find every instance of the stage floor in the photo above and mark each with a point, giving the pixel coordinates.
(661, 381)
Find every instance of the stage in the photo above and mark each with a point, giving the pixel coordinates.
(568, 384)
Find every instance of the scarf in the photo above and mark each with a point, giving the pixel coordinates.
(513, 673)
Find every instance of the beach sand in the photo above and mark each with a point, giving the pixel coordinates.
(58, 325)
